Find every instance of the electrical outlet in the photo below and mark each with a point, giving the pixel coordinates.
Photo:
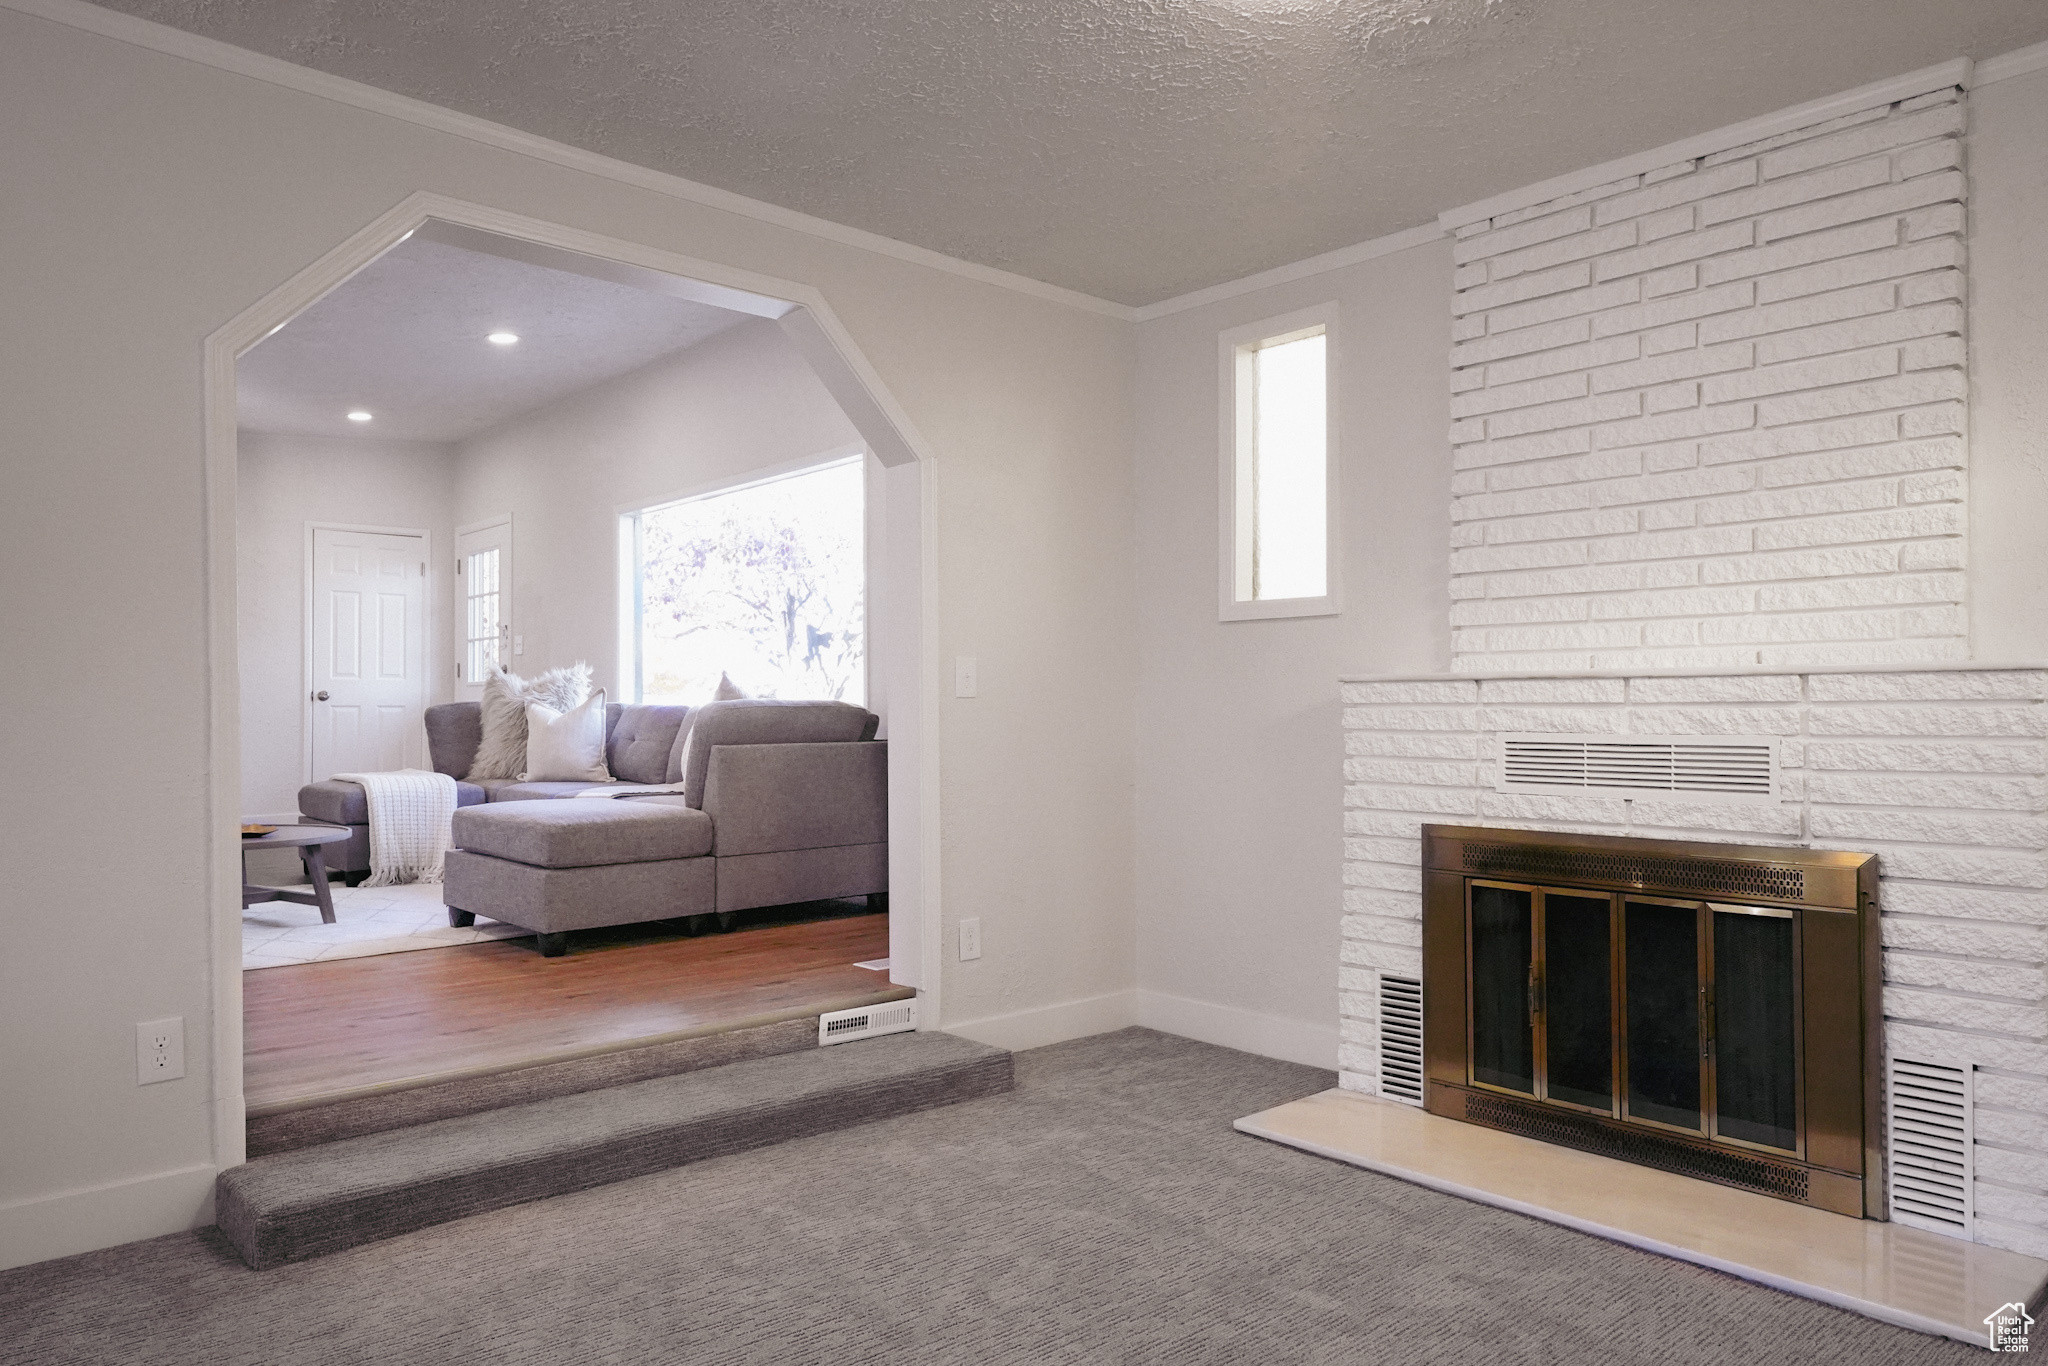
(970, 939)
(966, 677)
(159, 1050)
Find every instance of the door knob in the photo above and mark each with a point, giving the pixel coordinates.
(320, 696)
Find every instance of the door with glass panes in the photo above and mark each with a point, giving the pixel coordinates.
(1682, 1015)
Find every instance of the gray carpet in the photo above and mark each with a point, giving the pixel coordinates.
(1104, 1212)
(400, 1107)
(317, 1201)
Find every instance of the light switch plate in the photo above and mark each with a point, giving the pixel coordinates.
(966, 677)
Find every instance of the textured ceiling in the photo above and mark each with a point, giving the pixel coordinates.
(404, 339)
(1133, 149)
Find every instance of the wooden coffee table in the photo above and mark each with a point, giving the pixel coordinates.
(307, 839)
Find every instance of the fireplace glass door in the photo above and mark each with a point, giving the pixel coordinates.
(1665, 988)
(1753, 1031)
(1576, 1003)
(1542, 993)
(1503, 987)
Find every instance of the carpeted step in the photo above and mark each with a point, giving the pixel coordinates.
(338, 1195)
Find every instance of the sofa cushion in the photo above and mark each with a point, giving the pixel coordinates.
(454, 730)
(582, 834)
(642, 741)
(766, 721)
(510, 790)
(338, 803)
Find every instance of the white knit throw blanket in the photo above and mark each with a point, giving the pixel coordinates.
(410, 814)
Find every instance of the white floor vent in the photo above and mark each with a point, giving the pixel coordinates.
(1401, 1039)
(1701, 768)
(865, 1022)
(1930, 1137)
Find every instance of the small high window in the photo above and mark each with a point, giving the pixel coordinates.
(1278, 468)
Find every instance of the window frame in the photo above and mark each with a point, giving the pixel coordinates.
(627, 597)
(1237, 471)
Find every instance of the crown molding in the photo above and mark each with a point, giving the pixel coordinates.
(1957, 72)
(159, 38)
(1294, 270)
(2021, 61)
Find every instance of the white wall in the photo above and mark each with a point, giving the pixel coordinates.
(741, 402)
(1239, 838)
(168, 196)
(283, 483)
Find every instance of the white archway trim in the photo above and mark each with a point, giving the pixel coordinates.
(155, 37)
(822, 339)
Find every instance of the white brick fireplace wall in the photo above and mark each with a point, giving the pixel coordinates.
(1942, 772)
(1714, 414)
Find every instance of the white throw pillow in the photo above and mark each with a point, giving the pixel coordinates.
(566, 746)
(501, 752)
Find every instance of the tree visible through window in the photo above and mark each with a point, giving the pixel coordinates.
(765, 583)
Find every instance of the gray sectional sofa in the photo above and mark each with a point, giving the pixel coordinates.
(782, 802)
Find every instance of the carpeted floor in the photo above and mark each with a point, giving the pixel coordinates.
(1103, 1212)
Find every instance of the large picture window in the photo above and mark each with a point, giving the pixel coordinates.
(1278, 468)
(765, 582)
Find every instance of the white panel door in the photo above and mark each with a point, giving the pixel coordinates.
(369, 649)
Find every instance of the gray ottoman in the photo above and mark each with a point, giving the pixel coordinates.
(577, 864)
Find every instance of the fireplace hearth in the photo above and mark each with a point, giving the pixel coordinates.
(1707, 1009)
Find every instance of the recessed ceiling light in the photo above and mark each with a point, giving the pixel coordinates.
(502, 338)
(359, 416)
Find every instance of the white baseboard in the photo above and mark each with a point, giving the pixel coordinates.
(1050, 1024)
(1269, 1036)
(46, 1226)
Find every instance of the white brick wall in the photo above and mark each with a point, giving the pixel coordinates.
(1942, 773)
(1713, 415)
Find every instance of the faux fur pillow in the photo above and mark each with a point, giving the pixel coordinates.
(502, 751)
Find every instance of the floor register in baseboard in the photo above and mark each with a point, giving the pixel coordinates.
(867, 1022)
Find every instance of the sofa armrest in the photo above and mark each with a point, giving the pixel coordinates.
(766, 799)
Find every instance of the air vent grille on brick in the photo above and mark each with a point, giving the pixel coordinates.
(1929, 1106)
(1401, 1039)
(1712, 769)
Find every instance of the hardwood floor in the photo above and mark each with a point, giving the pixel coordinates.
(320, 1029)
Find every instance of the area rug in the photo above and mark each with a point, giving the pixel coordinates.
(367, 921)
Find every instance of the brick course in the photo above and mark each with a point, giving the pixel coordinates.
(1942, 773)
(1746, 369)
